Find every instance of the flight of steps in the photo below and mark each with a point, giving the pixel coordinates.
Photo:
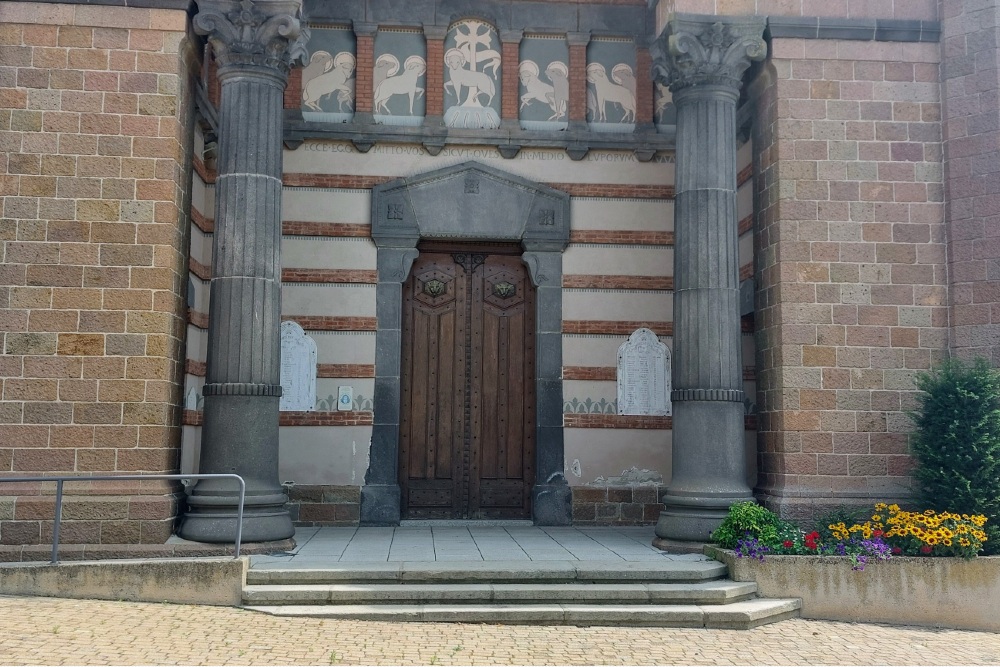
(693, 593)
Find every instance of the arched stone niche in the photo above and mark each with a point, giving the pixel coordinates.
(472, 202)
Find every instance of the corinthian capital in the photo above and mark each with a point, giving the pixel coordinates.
(253, 33)
(707, 50)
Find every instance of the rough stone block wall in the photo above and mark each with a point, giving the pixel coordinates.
(850, 265)
(971, 81)
(93, 143)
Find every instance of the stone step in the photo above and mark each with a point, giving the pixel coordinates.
(676, 571)
(705, 593)
(738, 615)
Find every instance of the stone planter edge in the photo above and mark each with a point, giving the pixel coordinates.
(935, 592)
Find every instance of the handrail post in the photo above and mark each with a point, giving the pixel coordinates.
(239, 516)
(58, 521)
(59, 480)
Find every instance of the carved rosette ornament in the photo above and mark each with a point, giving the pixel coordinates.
(706, 51)
(248, 34)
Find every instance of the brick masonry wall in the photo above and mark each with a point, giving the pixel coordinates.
(971, 78)
(925, 10)
(851, 268)
(632, 505)
(94, 126)
(324, 505)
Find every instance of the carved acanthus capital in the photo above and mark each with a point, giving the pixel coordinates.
(706, 50)
(266, 34)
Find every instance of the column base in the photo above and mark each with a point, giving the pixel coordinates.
(689, 524)
(709, 469)
(218, 524)
(380, 505)
(552, 504)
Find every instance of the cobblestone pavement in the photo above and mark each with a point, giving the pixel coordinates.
(84, 632)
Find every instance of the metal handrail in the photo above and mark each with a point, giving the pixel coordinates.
(107, 478)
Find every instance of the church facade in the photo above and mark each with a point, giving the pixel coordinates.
(580, 262)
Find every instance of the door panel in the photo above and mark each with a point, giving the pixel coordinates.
(468, 421)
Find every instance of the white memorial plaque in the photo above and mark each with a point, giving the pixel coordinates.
(298, 369)
(643, 375)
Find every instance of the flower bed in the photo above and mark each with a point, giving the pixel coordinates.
(931, 591)
(896, 566)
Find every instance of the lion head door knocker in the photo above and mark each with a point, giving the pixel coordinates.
(504, 290)
(434, 288)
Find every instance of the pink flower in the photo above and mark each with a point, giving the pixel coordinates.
(926, 549)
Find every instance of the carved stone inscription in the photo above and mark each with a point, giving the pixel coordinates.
(298, 369)
(643, 375)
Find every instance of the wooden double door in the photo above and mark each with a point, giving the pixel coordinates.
(467, 441)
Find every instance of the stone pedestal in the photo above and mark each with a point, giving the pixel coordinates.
(254, 41)
(702, 60)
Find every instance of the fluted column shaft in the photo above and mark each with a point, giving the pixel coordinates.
(702, 59)
(255, 43)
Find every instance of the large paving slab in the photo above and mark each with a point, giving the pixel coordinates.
(88, 632)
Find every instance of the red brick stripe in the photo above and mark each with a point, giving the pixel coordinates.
(749, 373)
(618, 282)
(337, 418)
(196, 368)
(620, 237)
(590, 373)
(577, 420)
(747, 323)
(197, 319)
(615, 327)
(745, 174)
(346, 181)
(207, 175)
(331, 229)
(332, 323)
(199, 269)
(298, 418)
(206, 225)
(615, 190)
(297, 227)
(329, 276)
(746, 224)
(746, 271)
(345, 370)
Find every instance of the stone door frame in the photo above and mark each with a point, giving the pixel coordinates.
(468, 202)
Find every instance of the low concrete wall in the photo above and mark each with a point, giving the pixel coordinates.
(214, 581)
(937, 592)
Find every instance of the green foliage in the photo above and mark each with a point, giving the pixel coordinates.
(957, 443)
(747, 518)
(845, 514)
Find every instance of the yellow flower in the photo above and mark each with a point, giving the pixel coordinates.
(894, 507)
(947, 542)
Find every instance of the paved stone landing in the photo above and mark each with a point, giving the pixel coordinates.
(514, 542)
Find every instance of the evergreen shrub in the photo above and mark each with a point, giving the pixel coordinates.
(957, 442)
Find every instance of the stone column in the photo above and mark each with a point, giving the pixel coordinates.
(702, 59)
(255, 41)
